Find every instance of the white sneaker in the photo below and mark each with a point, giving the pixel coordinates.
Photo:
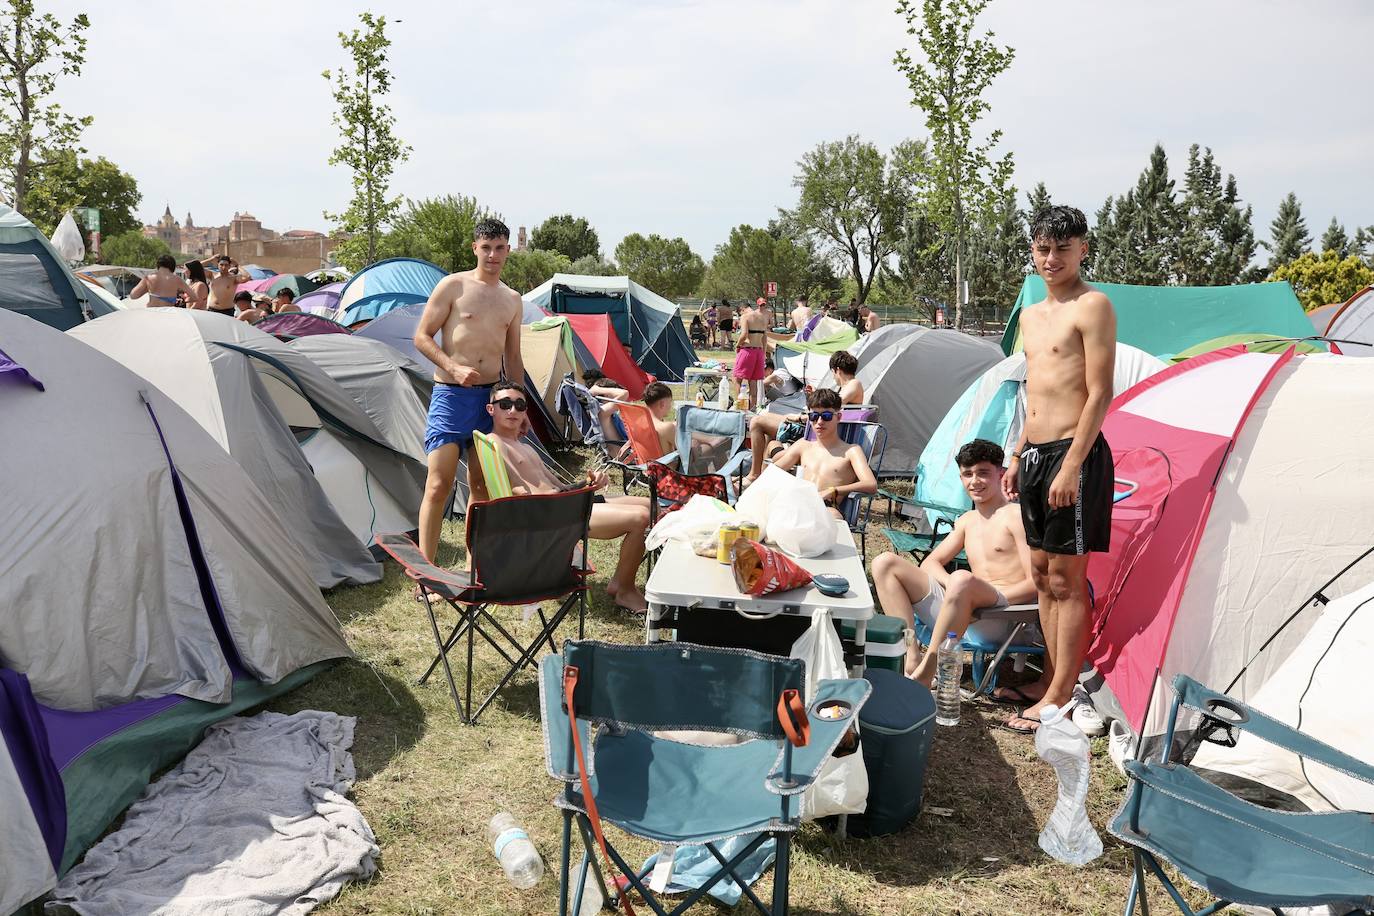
(1086, 716)
(1121, 744)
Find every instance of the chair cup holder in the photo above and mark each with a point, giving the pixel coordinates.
(832, 710)
(1226, 711)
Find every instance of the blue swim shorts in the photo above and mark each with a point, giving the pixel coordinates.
(455, 413)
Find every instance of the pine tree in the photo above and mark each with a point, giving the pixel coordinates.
(1138, 236)
(1103, 262)
(1038, 199)
(1362, 246)
(998, 258)
(1335, 239)
(1289, 233)
(1217, 240)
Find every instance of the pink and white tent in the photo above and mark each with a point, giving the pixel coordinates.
(1253, 473)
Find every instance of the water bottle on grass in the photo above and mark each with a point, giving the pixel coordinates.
(949, 669)
(1069, 836)
(512, 847)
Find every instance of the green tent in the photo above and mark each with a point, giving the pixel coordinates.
(1254, 342)
(1164, 320)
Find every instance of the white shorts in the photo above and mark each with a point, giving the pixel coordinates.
(989, 631)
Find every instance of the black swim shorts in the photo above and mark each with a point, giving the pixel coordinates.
(727, 324)
(1085, 526)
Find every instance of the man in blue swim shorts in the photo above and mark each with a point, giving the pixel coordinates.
(477, 318)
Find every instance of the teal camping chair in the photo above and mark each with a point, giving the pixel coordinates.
(602, 704)
(1237, 851)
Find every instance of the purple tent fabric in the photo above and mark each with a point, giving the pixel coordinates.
(299, 324)
(26, 738)
(9, 369)
(71, 734)
(323, 301)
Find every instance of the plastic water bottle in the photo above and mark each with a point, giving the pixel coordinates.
(723, 394)
(512, 847)
(949, 669)
(1069, 836)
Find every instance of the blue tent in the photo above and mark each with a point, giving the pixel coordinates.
(35, 282)
(648, 324)
(386, 285)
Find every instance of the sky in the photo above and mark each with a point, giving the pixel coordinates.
(687, 117)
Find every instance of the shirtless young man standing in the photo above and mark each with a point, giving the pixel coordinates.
(999, 573)
(833, 465)
(480, 320)
(163, 285)
(750, 365)
(1062, 469)
(224, 285)
(764, 428)
(801, 314)
(868, 319)
(613, 517)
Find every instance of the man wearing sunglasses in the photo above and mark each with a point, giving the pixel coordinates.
(833, 465)
(479, 317)
(613, 517)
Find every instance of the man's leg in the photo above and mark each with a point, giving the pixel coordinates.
(965, 594)
(753, 394)
(443, 468)
(900, 585)
(762, 430)
(625, 518)
(1068, 585)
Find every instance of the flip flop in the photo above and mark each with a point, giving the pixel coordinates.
(1020, 729)
(637, 615)
(1012, 696)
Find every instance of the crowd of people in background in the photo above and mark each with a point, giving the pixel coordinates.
(195, 287)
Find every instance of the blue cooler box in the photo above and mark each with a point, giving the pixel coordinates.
(897, 726)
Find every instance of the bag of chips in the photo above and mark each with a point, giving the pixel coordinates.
(761, 570)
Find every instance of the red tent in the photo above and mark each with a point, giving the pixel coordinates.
(600, 339)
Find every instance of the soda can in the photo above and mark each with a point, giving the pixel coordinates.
(749, 530)
(728, 534)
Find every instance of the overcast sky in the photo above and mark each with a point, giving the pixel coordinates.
(687, 117)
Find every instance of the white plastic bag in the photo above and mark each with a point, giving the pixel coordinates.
(842, 787)
(754, 502)
(793, 515)
(698, 518)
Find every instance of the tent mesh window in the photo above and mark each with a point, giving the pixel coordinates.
(24, 283)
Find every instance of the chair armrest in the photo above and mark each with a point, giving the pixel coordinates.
(559, 755)
(1198, 697)
(667, 460)
(825, 734)
(732, 468)
(1011, 613)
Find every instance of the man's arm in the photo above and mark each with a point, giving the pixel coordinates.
(944, 553)
(864, 481)
(1026, 592)
(515, 364)
(1097, 325)
(431, 321)
(791, 456)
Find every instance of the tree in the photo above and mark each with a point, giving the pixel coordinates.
(669, 267)
(527, 269)
(65, 182)
(924, 267)
(1038, 199)
(751, 257)
(36, 49)
(573, 236)
(1320, 279)
(1217, 242)
(852, 202)
(1138, 233)
(133, 249)
(1289, 233)
(591, 265)
(999, 258)
(965, 180)
(367, 145)
(1362, 246)
(1335, 239)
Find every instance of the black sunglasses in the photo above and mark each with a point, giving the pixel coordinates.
(519, 404)
(818, 415)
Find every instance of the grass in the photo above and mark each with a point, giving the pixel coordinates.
(429, 785)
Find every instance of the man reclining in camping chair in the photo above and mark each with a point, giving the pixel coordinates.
(770, 433)
(999, 573)
(833, 465)
(612, 517)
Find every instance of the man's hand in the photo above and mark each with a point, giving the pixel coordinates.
(1011, 487)
(1064, 489)
(829, 495)
(599, 480)
(463, 375)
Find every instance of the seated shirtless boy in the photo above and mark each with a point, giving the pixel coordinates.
(999, 573)
(658, 397)
(833, 465)
(764, 428)
(612, 517)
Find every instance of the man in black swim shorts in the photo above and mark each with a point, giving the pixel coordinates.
(1062, 470)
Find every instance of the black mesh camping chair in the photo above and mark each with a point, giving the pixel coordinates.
(521, 550)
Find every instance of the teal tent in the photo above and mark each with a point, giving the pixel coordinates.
(1165, 320)
(648, 324)
(35, 282)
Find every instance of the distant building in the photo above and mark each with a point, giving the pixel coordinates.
(168, 230)
(521, 243)
(246, 241)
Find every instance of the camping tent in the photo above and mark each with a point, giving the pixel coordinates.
(1247, 468)
(914, 375)
(550, 355)
(393, 389)
(35, 282)
(1312, 690)
(175, 350)
(809, 361)
(1166, 319)
(298, 284)
(1321, 316)
(994, 408)
(136, 608)
(257, 272)
(94, 288)
(1353, 324)
(386, 285)
(286, 325)
(323, 301)
(600, 344)
(1253, 342)
(649, 324)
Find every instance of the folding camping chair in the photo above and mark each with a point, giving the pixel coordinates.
(521, 550)
(1239, 852)
(858, 507)
(601, 704)
(711, 441)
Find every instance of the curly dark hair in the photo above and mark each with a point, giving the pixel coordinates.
(490, 228)
(1059, 224)
(978, 451)
(845, 361)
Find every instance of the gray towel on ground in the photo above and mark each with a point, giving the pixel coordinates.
(253, 821)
